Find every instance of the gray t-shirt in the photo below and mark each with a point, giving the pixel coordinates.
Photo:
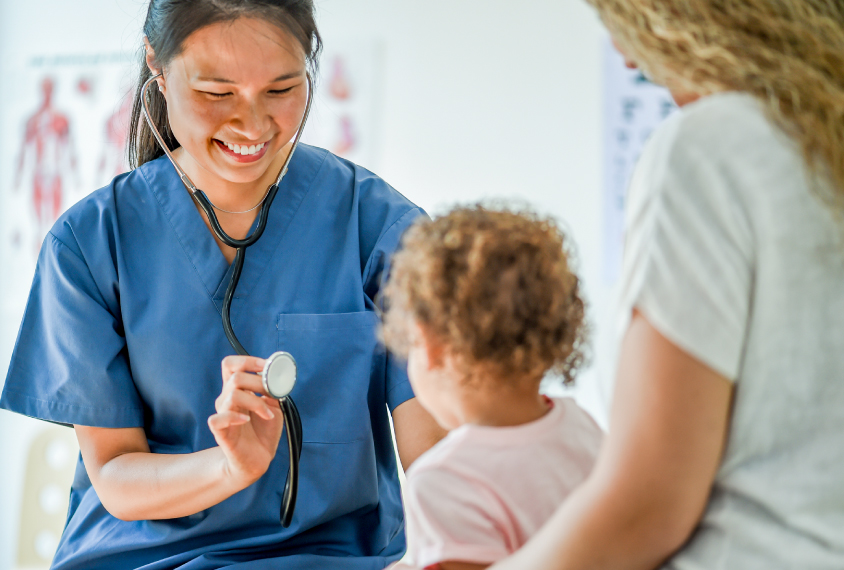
(733, 257)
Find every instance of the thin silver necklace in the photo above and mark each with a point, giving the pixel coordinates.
(258, 205)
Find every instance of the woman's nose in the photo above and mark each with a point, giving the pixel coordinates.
(251, 119)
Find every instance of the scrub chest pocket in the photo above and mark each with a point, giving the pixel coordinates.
(339, 366)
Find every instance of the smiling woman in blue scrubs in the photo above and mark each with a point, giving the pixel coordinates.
(122, 337)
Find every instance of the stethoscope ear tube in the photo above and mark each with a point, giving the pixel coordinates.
(263, 216)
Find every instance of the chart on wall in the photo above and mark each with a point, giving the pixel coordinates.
(634, 107)
(345, 116)
(69, 121)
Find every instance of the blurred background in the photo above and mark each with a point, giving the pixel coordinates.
(450, 101)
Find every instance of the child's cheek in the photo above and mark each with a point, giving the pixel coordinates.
(419, 374)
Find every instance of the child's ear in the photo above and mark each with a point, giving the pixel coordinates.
(434, 348)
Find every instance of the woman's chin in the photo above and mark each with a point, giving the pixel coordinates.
(241, 176)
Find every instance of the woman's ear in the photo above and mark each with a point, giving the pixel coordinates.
(628, 62)
(152, 65)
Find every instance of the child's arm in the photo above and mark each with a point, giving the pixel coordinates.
(416, 431)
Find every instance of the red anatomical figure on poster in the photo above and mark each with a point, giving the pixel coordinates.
(113, 159)
(47, 151)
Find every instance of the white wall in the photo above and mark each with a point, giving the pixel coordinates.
(482, 98)
(494, 98)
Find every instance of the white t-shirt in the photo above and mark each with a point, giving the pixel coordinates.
(733, 258)
(481, 492)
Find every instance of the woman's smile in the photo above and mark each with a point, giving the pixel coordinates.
(243, 153)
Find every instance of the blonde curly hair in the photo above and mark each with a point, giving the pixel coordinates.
(789, 54)
(494, 288)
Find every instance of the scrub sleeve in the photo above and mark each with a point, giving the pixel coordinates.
(376, 273)
(70, 364)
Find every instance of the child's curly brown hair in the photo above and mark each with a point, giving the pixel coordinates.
(494, 288)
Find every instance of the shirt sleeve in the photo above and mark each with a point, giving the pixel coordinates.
(376, 272)
(688, 263)
(70, 363)
(451, 519)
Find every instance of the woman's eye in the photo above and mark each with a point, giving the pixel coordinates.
(216, 95)
(280, 91)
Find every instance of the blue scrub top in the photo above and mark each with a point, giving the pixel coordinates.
(123, 329)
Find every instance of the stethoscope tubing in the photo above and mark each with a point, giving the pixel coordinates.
(292, 420)
(293, 426)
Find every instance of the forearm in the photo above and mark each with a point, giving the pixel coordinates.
(151, 486)
(653, 476)
(416, 431)
(135, 484)
(597, 529)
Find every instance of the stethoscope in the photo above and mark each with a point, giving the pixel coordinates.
(279, 374)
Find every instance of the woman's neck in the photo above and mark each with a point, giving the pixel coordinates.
(230, 195)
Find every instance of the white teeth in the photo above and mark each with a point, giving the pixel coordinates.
(244, 150)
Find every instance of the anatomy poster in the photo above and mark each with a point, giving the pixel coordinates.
(69, 120)
(634, 107)
(344, 118)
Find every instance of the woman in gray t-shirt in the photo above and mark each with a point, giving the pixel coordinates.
(726, 440)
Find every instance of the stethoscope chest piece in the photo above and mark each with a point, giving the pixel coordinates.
(279, 375)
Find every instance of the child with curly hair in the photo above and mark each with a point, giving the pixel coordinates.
(483, 304)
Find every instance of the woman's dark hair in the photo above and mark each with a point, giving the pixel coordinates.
(168, 25)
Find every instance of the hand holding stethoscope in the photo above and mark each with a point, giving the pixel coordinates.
(252, 410)
(248, 423)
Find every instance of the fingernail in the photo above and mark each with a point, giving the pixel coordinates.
(270, 413)
(244, 417)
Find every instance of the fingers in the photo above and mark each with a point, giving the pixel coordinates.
(243, 390)
(242, 401)
(225, 420)
(244, 381)
(237, 363)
